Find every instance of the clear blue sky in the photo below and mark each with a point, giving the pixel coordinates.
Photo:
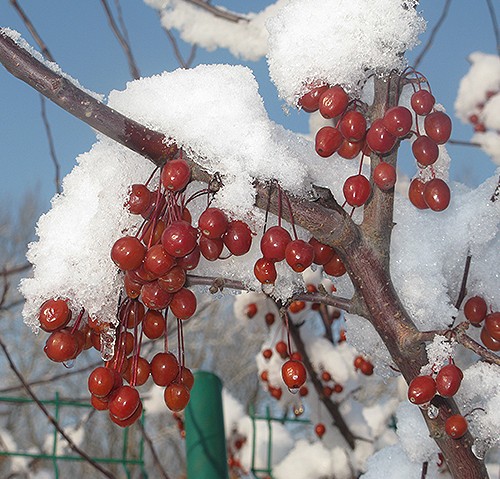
(79, 38)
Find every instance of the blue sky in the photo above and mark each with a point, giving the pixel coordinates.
(79, 38)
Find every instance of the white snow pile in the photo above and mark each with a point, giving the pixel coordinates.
(479, 94)
(339, 42)
(245, 38)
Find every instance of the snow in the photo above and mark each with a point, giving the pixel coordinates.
(246, 38)
(482, 77)
(355, 39)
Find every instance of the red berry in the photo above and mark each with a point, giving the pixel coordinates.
(303, 391)
(176, 397)
(186, 377)
(353, 126)
(437, 194)
(358, 361)
(275, 392)
(475, 309)
(174, 280)
(422, 102)
(183, 304)
(154, 296)
(366, 368)
(488, 341)
(132, 316)
(296, 306)
(438, 127)
(99, 404)
(269, 318)
(129, 421)
(189, 261)
(101, 381)
(299, 255)
(251, 310)
(238, 238)
(139, 199)
(379, 139)
(349, 150)
(176, 174)
(327, 141)
(334, 267)
(293, 374)
(421, 389)
(456, 426)
(281, 349)
(128, 252)
(425, 150)
(54, 314)
(153, 324)
(164, 368)
(492, 325)
(310, 101)
(357, 190)
(211, 248)
(333, 102)
(384, 176)
(322, 252)
(132, 288)
(265, 271)
(142, 371)
(61, 346)
(213, 223)
(124, 402)
(179, 238)
(267, 353)
(157, 261)
(416, 194)
(320, 430)
(398, 121)
(326, 376)
(273, 243)
(448, 380)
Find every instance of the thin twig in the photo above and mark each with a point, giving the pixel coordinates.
(15, 269)
(463, 286)
(433, 34)
(218, 12)
(46, 53)
(183, 63)
(150, 444)
(464, 143)
(325, 317)
(122, 40)
(425, 465)
(49, 416)
(494, 21)
(52, 149)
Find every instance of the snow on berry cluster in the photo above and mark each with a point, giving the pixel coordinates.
(478, 101)
(339, 42)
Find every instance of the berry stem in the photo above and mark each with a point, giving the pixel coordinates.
(292, 221)
(78, 321)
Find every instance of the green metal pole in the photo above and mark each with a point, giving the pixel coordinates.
(204, 424)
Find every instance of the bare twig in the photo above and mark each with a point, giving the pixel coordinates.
(494, 22)
(218, 12)
(150, 444)
(122, 40)
(463, 287)
(15, 269)
(49, 416)
(464, 143)
(433, 34)
(425, 465)
(52, 149)
(325, 317)
(183, 63)
(46, 53)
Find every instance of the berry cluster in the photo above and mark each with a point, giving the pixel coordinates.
(477, 118)
(476, 312)
(352, 135)
(363, 365)
(154, 263)
(446, 383)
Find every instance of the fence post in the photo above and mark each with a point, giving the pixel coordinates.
(204, 425)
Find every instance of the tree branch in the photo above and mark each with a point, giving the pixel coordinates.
(218, 12)
(494, 22)
(122, 40)
(152, 448)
